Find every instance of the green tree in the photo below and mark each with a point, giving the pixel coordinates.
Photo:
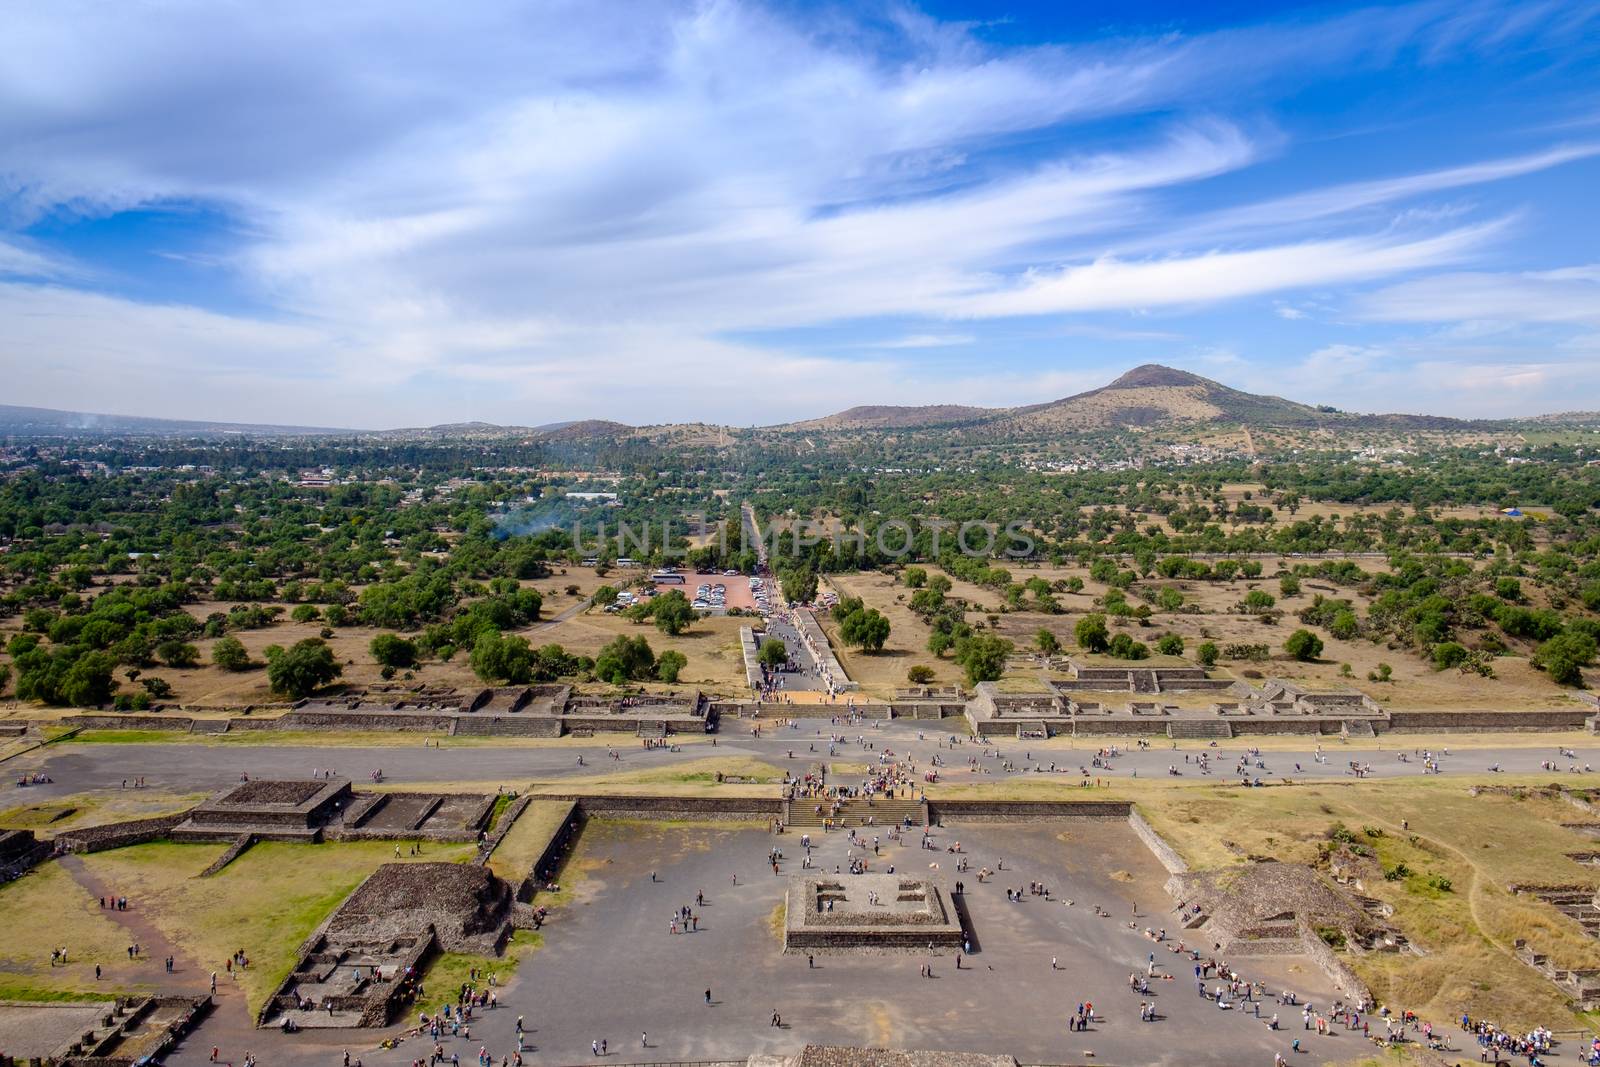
(1564, 656)
(551, 662)
(301, 669)
(1091, 633)
(230, 654)
(673, 612)
(915, 577)
(1047, 642)
(1447, 654)
(392, 650)
(1169, 599)
(1125, 647)
(866, 629)
(305, 613)
(1256, 601)
(1289, 585)
(88, 681)
(919, 674)
(504, 658)
(983, 657)
(670, 664)
(1207, 653)
(179, 654)
(1169, 644)
(624, 659)
(772, 653)
(799, 585)
(1303, 645)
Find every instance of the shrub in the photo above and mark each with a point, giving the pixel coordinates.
(1447, 654)
(1091, 633)
(229, 653)
(1303, 645)
(670, 664)
(301, 669)
(1564, 656)
(392, 650)
(920, 674)
(1124, 647)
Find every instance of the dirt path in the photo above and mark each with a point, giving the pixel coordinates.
(230, 1025)
(186, 976)
(571, 612)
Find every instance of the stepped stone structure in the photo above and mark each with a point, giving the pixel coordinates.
(361, 966)
(1149, 680)
(1273, 909)
(307, 810)
(867, 912)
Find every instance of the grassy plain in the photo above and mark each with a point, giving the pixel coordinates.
(266, 902)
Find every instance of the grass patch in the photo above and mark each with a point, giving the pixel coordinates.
(529, 835)
(94, 807)
(502, 801)
(266, 902)
(449, 971)
(75, 920)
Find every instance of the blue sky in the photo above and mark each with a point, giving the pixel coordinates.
(389, 214)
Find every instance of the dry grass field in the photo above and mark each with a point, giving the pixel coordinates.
(711, 646)
(1210, 613)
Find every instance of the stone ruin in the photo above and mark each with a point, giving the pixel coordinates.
(1284, 909)
(1147, 680)
(294, 810)
(364, 964)
(1271, 908)
(1581, 903)
(317, 810)
(502, 711)
(868, 912)
(20, 850)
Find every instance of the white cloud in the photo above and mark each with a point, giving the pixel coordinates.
(927, 340)
(1214, 276)
(537, 213)
(1567, 296)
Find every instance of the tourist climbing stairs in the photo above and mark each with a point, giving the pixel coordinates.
(856, 811)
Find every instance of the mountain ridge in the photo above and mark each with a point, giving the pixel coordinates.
(1148, 395)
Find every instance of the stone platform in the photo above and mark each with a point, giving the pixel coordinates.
(868, 913)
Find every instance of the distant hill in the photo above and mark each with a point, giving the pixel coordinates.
(889, 417)
(1148, 395)
(1152, 395)
(47, 422)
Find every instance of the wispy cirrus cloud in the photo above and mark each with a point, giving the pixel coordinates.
(1570, 295)
(575, 206)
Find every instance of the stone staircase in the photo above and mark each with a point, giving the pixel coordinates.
(881, 811)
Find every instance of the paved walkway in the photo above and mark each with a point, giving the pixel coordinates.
(196, 767)
(610, 968)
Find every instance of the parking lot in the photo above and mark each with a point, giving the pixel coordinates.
(715, 593)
